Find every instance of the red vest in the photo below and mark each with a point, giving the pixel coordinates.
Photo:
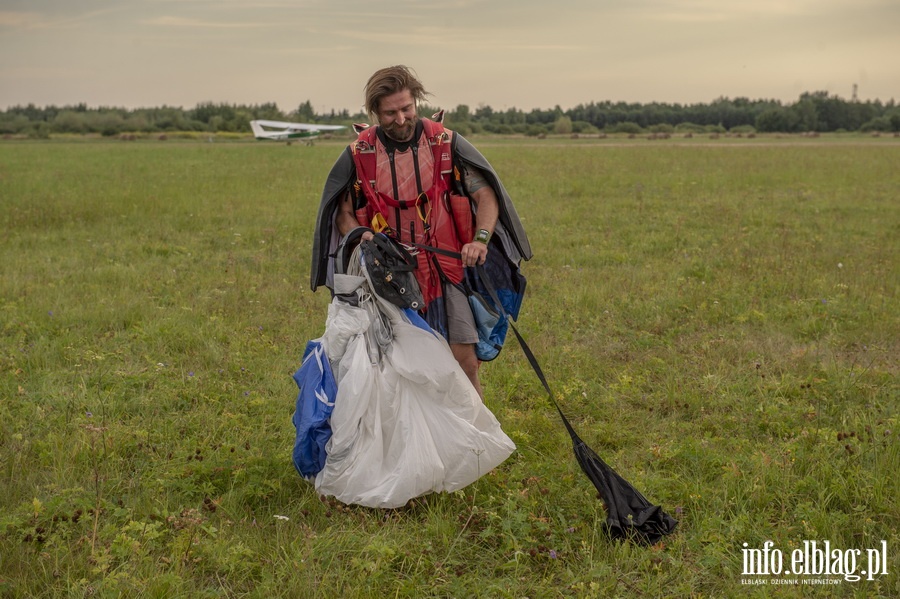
(408, 195)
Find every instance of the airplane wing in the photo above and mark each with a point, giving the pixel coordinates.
(279, 130)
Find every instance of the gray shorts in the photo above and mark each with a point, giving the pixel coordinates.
(460, 321)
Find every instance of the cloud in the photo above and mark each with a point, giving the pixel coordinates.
(22, 20)
(189, 23)
(433, 36)
(31, 20)
(313, 50)
(45, 73)
(721, 11)
(501, 52)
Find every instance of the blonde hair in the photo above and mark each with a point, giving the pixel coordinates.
(388, 81)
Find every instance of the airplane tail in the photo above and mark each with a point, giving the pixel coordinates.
(258, 130)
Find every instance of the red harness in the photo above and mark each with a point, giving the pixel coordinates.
(428, 213)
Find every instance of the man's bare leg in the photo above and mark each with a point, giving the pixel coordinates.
(465, 355)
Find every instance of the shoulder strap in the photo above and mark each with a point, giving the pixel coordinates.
(364, 159)
(363, 152)
(439, 138)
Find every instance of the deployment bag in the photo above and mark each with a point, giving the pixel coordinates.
(391, 272)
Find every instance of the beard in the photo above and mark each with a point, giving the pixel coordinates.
(401, 133)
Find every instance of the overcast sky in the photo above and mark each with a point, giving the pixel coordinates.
(503, 53)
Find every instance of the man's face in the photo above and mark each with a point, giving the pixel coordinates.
(397, 115)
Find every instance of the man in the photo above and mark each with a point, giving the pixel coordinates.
(426, 187)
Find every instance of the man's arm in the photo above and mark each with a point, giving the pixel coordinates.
(487, 210)
(346, 217)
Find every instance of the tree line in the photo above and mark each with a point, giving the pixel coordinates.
(812, 112)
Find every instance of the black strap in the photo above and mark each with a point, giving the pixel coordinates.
(415, 153)
(522, 343)
(396, 190)
(434, 250)
(525, 349)
(449, 254)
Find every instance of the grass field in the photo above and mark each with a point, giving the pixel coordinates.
(721, 320)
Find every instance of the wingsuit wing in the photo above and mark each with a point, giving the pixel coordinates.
(327, 236)
(511, 231)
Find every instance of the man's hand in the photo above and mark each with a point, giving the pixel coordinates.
(474, 253)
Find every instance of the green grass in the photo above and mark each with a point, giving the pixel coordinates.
(720, 320)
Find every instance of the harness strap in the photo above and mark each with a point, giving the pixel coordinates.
(364, 155)
(415, 153)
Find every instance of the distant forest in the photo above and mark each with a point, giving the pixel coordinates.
(812, 112)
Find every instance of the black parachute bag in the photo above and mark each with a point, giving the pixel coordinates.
(391, 272)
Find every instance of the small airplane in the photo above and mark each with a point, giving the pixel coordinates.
(283, 131)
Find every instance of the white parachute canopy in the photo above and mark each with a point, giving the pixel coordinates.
(406, 420)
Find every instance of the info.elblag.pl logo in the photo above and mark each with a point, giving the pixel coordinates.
(815, 562)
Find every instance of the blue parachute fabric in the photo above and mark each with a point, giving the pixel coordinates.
(486, 320)
(492, 325)
(417, 320)
(315, 403)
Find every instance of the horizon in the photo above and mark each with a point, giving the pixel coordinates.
(447, 108)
